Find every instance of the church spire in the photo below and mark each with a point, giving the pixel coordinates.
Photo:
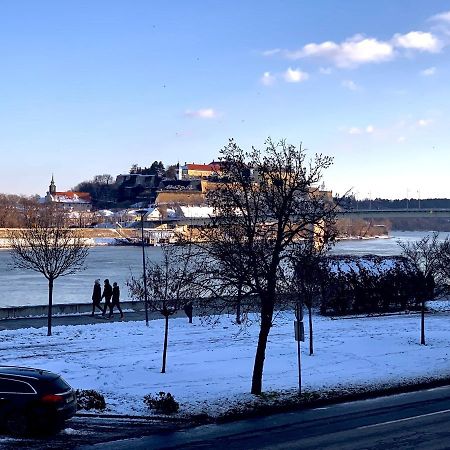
(52, 187)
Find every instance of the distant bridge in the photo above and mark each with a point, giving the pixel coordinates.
(389, 213)
(354, 213)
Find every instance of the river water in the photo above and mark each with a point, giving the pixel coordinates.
(20, 287)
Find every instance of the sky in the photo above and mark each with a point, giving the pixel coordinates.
(91, 87)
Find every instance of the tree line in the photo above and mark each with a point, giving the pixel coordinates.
(351, 202)
(106, 193)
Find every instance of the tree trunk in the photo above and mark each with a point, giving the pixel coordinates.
(166, 335)
(238, 307)
(50, 306)
(266, 324)
(422, 324)
(311, 343)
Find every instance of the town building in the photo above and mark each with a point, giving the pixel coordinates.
(74, 201)
(134, 187)
(198, 171)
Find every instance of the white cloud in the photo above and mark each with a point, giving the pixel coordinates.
(424, 122)
(441, 17)
(206, 113)
(326, 49)
(428, 72)
(351, 85)
(271, 52)
(350, 53)
(401, 139)
(295, 75)
(359, 49)
(369, 129)
(441, 24)
(268, 79)
(418, 40)
(325, 70)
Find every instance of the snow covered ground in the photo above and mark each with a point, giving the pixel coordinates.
(209, 367)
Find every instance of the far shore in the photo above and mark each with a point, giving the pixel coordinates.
(99, 237)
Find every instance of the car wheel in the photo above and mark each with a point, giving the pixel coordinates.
(44, 422)
(17, 423)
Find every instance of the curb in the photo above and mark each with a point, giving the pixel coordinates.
(289, 404)
(131, 417)
(329, 397)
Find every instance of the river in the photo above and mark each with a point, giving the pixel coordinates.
(20, 287)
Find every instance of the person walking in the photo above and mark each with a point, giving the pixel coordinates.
(188, 310)
(115, 301)
(96, 297)
(107, 294)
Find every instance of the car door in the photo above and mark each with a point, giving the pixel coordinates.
(14, 394)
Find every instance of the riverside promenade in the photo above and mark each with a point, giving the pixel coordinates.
(71, 314)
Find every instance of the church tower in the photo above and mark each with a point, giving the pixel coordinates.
(52, 187)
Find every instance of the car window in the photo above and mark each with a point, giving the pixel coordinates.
(56, 386)
(8, 386)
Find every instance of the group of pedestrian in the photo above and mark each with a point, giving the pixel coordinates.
(111, 294)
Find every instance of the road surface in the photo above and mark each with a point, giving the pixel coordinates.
(418, 420)
(90, 430)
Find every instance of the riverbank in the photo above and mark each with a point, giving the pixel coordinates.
(96, 237)
(70, 309)
(92, 236)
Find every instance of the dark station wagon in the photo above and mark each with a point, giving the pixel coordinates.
(34, 400)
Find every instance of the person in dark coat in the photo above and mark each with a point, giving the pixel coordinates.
(96, 297)
(115, 301)
(107, 294)
(188, 311)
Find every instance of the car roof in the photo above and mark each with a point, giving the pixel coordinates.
(27, 372)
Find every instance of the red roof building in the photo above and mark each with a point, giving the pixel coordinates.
(80, 201)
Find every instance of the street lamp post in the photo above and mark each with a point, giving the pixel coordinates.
(142, 213)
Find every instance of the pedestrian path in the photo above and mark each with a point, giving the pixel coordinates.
(78, 319)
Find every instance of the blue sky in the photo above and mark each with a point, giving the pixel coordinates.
(90, 87)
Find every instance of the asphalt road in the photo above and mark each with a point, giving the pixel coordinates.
(81, 431)
(419, 420)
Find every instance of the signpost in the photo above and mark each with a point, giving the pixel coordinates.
(299, 329)
(299, 337)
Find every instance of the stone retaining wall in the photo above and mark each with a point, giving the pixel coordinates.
(14, 312)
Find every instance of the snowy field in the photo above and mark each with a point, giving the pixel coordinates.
(209, 367)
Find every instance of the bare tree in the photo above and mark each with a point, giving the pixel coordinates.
(228, 291)
(308, 271)
(12, 207)
(265, 202)
(171, 285)
(46, 246)
(425, 258)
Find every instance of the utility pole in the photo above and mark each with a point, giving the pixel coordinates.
(143, 213)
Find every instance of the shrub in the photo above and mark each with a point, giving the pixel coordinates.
(367, 284)
(163, 403)
(89, 399)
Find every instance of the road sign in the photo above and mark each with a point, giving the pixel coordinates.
(299, 312)
(299, 331)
